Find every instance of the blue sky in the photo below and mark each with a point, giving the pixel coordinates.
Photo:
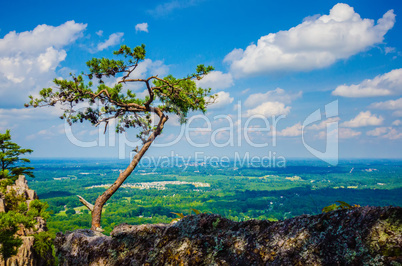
(274, 60)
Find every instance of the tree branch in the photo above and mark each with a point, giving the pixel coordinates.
(120, 104)
(106, 119)
(86, 203)
(151, 95)
(130, 71)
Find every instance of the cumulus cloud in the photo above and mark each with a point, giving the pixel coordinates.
(378, 131)
(114, 39)
(144, 69)
(150, 67)
(323, 125)
(315, 43)
(388, 105)
(222, 100)
(347, 133)
(28, 60)
(393, 134)
(364, 119)
(141, 27)
(277, 95)
(268, 109)
(382, 85)
(292, 131)
(395, 105)
(216, 80)
(385, 132)
(397, 123)
(40, 38)
(270, 103)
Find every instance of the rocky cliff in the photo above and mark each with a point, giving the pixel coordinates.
(26, 255)
(360, 236)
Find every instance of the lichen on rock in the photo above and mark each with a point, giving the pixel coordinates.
(366, 235)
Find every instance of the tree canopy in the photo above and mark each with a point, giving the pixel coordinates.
(10, 162)
(172, 95)
(90, 97)
(17, 213)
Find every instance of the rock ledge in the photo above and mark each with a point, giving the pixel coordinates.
(366, 235)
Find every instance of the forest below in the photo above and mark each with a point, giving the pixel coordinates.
(153, 195)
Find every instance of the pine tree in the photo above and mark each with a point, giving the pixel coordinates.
(10, 162)
(168, 95)
(16, 212)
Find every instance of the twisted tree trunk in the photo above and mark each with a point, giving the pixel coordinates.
(96, 209)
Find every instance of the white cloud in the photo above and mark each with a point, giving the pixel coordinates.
(48, 133)
(150, 67)
(395, 105)
(144, 69)
(364, 119)
(323, 125)
(222, 100)
(393, 134)
(277, 95)
(270, 103)
(382, 85)
(347, 133)
(28, 59)
(388, 105)
(141, 27)
(142, 94)
(174, 120)
(114, 39)
(378, 131)
(315, 43)
(390, 50)
(397, 123)
(99, 33)
(268, 109)
(385, 132)
(15, 117)
(216, 80)
(40, 38)
(292, 131)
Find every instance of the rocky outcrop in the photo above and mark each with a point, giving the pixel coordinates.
(21, 188)
(360, 236)
(26, 255)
